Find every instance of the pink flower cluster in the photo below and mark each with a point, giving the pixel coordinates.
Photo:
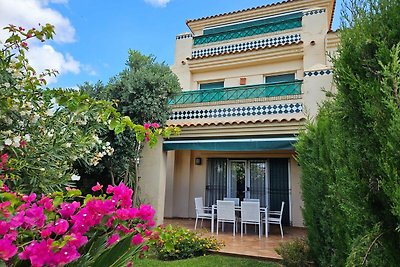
(3, 161)
(148, 125)
(58, 231)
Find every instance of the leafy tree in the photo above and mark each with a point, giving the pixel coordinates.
(141, 92)
(351, 155)
(43, 131)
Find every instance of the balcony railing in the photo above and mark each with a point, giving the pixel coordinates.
(237, 93)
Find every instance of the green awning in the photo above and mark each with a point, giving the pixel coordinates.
(252, 144)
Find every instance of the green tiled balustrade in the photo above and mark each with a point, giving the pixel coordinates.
(249, 28)
(237, 93)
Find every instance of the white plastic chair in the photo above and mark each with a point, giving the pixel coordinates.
(226, 213)
(275, 217)
(234, 199)
(201, 211)
(251, 200)
(250, 214)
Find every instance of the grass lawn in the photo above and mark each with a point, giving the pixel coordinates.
(206, 261)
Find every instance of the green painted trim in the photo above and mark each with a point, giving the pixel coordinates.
(253, 23)
(250, 28)
(262, 144)
(237, 93)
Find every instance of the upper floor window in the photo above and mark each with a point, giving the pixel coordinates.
(213, 85)
(290, 77)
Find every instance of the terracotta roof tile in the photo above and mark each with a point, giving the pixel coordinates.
(240, 11)
(245, 50)
(238, 122)
(257, 7)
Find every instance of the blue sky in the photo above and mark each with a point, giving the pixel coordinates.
(93, 36)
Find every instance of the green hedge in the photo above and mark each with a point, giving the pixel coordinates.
(350, 155)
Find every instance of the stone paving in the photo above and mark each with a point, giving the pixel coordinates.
(250, 245)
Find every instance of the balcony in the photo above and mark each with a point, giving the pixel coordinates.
(238, 93)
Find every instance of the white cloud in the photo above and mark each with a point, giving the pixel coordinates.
(158, 3)
(29, 13)
(89, 69)
(46, 57)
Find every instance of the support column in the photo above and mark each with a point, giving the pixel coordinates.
(153, 172)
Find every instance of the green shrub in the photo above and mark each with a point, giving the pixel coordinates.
(295, 253)
(175, 242)
(350, 154)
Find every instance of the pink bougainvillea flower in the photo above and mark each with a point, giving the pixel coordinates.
(147, 126)
(45, 233)
(123, 214)
(39, 253)
(145, 248)
(4, 188)
(3, 161)
(155, 125)
(114, 238)
(146, 212)
(122, 194)
(17, 220)
(66, 255)
(29, 198)
(97, 187)
(68, 209)
(7, 249)
(110, 189)
(34, 216)
(60, 227)
(46, 202)
(147, 137)
(137, 239)
(148, 232)
(4, 227)
(77, 240)
(4, 209)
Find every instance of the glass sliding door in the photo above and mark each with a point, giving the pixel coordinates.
(216, 182)
(258, 181)
(279, 189)
(248, 179)
(237, 179)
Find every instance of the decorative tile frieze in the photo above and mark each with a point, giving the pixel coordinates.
(314, 12)
(317, 73)
(261, 43)
(184, 36)
(289, 108)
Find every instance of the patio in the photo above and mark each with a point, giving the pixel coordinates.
(249, 245)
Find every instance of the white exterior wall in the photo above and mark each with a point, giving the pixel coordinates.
(309, 60)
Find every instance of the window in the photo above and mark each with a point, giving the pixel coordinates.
(213, 85)
(280, 78)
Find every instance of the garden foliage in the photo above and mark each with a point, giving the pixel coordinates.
(141, 92)
(175, 243)
(56, 230)
(43, 132)
(350, 156)
(295, 253)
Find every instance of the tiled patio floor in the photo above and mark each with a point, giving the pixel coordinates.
(249, 245)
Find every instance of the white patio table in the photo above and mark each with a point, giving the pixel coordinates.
(263, 210)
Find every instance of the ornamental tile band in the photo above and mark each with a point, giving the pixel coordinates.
(267, 42)
(284, 22)
(237, 111)
(184, 36)
(314, 12)
(317, 73)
